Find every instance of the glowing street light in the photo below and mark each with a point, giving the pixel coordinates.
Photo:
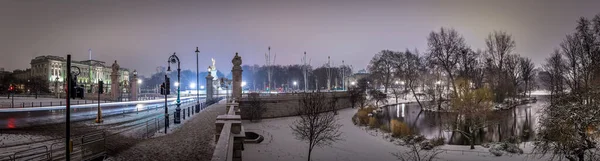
(352, 83)
(201, 87)
(295, 83)
(176, 84)
(402, 82)
(396, 82)
(139, 81)
(243, 83)
(192, 85)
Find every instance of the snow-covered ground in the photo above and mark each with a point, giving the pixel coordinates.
(358, 144)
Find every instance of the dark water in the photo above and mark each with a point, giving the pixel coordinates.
(519, 122)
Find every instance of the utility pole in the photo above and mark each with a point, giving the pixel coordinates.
(328, 73)
(343, 74)
(197, 82)
(68, 111)
(269, 68)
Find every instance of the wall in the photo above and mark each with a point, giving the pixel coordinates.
(283, 105)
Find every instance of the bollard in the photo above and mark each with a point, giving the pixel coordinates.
(50, 103)
(40, 104)
(32, 104)
(184, 113)
(61, 103)
(23, 104)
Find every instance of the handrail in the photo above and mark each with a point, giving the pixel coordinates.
(225, 142)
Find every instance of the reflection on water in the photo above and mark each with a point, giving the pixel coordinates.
(519, 122)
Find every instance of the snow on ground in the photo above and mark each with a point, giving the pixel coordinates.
(358, 144)
(193, 140)
(540, 93)
(10, 139)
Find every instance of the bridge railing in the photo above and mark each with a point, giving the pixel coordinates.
(229, 135)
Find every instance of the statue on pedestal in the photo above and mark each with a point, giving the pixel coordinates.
(114, 81)
(237, 76)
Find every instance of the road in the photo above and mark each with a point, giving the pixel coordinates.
(27, 117)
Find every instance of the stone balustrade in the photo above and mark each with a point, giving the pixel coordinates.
(229, 135)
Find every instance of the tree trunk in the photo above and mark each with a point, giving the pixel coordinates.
(472, 142)
(309, 152)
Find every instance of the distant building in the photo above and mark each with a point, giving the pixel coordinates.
(53, 68)
(22, 74)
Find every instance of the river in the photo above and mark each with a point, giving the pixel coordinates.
(519, 122)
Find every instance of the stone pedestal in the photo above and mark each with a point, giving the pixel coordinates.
(237, 77)
(209, 87)
(115, 91)
(134, 88)
(114, 87)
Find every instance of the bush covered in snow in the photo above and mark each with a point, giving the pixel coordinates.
(498, 148)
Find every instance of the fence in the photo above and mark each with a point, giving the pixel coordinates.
(86, 147)
(48, 103)
(92, 145)
(229, 135)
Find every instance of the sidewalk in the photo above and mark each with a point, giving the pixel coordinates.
(193, 140)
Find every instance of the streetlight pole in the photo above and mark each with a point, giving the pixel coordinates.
(197, 82)
(174, 59)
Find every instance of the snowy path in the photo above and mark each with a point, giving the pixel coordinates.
(194, 140)
(358, 145)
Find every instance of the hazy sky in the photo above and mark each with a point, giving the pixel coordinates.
(141, 34)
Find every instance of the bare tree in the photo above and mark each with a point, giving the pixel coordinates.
(555, 66)
(499, 46)
(527, 74)
(444, 48)
(416, 152)
(317, 125)
(378, 97)
(382, 66)
(256, 109)
(413, 74)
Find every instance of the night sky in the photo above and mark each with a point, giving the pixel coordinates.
(141, 34)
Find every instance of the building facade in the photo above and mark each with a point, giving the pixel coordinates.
(53, 68)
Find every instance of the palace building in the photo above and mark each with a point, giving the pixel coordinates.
(53, 68)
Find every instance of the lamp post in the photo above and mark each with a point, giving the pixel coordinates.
(139, 84)
(197, 82)
(56, 87)
(172, 60)
(295, 83)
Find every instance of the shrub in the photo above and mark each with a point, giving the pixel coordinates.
(438, 141)
(373, 123)
(363, 117)
(399, 129)
(384, 128)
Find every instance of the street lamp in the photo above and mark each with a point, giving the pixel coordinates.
(295, 83)
(172, 60)
(139, 84)
(197, 82)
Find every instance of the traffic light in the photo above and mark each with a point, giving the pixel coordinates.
(168, 86)
(11, 88)
(100, 87)
(73, 88)
(80, 92)
(162, 89)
